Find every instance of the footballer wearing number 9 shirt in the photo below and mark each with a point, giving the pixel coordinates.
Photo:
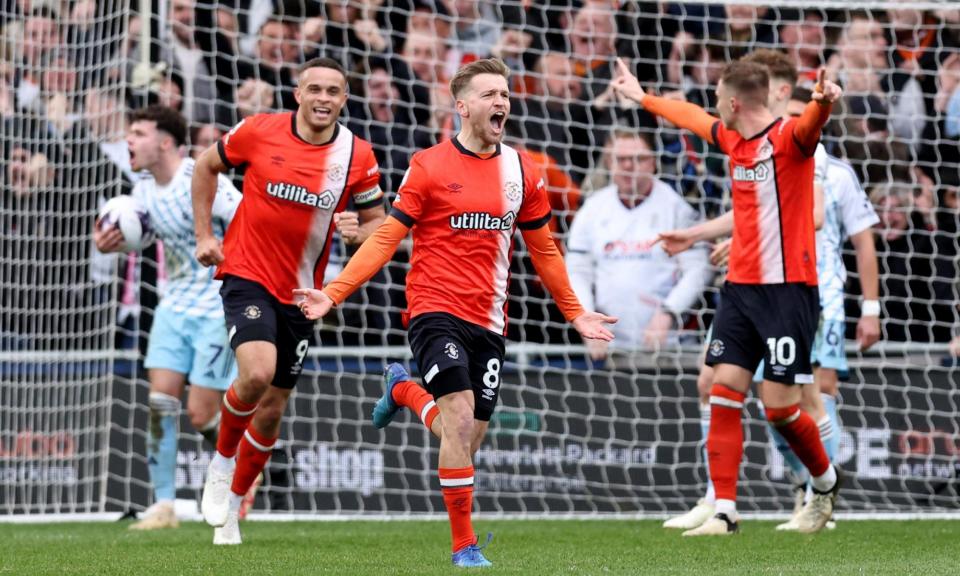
(463, 199)
(302, 168)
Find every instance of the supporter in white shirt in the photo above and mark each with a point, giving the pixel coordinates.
(614, 265)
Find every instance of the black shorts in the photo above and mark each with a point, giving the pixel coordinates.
(773, 323)
(254, 315)
(441, 341)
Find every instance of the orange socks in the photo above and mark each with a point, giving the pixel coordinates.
(457, 487)
(725, 440)
(234, 418)
(803, 435)
(253, 454)
(414, 397)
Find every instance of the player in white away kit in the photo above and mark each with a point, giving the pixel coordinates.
(188, 340)
(609, 248)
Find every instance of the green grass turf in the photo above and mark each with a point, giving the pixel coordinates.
(519, 547)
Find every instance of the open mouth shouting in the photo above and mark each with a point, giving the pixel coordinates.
(497, 121)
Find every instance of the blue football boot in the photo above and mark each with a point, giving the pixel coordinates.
(386, 408)
(472, 556)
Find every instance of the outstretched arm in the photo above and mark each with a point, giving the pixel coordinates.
(549, 264)
(368, 260)
(816, 114)
(682, 114)
(677, 241)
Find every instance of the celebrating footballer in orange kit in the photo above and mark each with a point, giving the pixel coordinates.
(463, 199)
(769, 301)
(301, 170)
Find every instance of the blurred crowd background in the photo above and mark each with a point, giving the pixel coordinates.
(70, 70)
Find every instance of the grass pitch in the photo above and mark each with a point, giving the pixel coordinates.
(925, 548)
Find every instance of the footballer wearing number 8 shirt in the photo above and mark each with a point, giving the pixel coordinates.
(463, 199)
(302, 168)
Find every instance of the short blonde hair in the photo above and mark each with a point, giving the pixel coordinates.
(902, 192)
(465, 74)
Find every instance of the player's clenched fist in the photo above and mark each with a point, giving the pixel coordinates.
(313, 303)
(348, 223)
(209, 251)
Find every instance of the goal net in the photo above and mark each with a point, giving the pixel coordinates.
(572, 435)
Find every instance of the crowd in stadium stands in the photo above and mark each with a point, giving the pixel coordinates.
(218, 61)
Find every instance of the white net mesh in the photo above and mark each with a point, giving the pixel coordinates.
(61, 105)
(570, 435)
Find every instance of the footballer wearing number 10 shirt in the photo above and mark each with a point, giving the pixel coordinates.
(463, 199)
(302, 168)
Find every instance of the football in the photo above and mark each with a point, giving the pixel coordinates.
(126, 214)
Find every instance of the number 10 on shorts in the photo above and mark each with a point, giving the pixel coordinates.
(783, 351)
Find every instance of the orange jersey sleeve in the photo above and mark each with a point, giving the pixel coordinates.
(683, 114)
(535, 209)
(811, 122)
(240, 144)
(366, 190)
(368, 260)
(412, 193)
(552, 270)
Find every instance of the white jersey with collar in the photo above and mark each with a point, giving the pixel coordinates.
(615, 269)
(190, 287)
(846, 211)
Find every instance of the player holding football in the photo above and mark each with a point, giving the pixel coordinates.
(188, 341)
(301, 170)
(464, 198)
(769, 301)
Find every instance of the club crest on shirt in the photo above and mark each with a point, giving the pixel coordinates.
(451, 350)
(335, 173)
(513, 191)
(765, 150)
(252, 312)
